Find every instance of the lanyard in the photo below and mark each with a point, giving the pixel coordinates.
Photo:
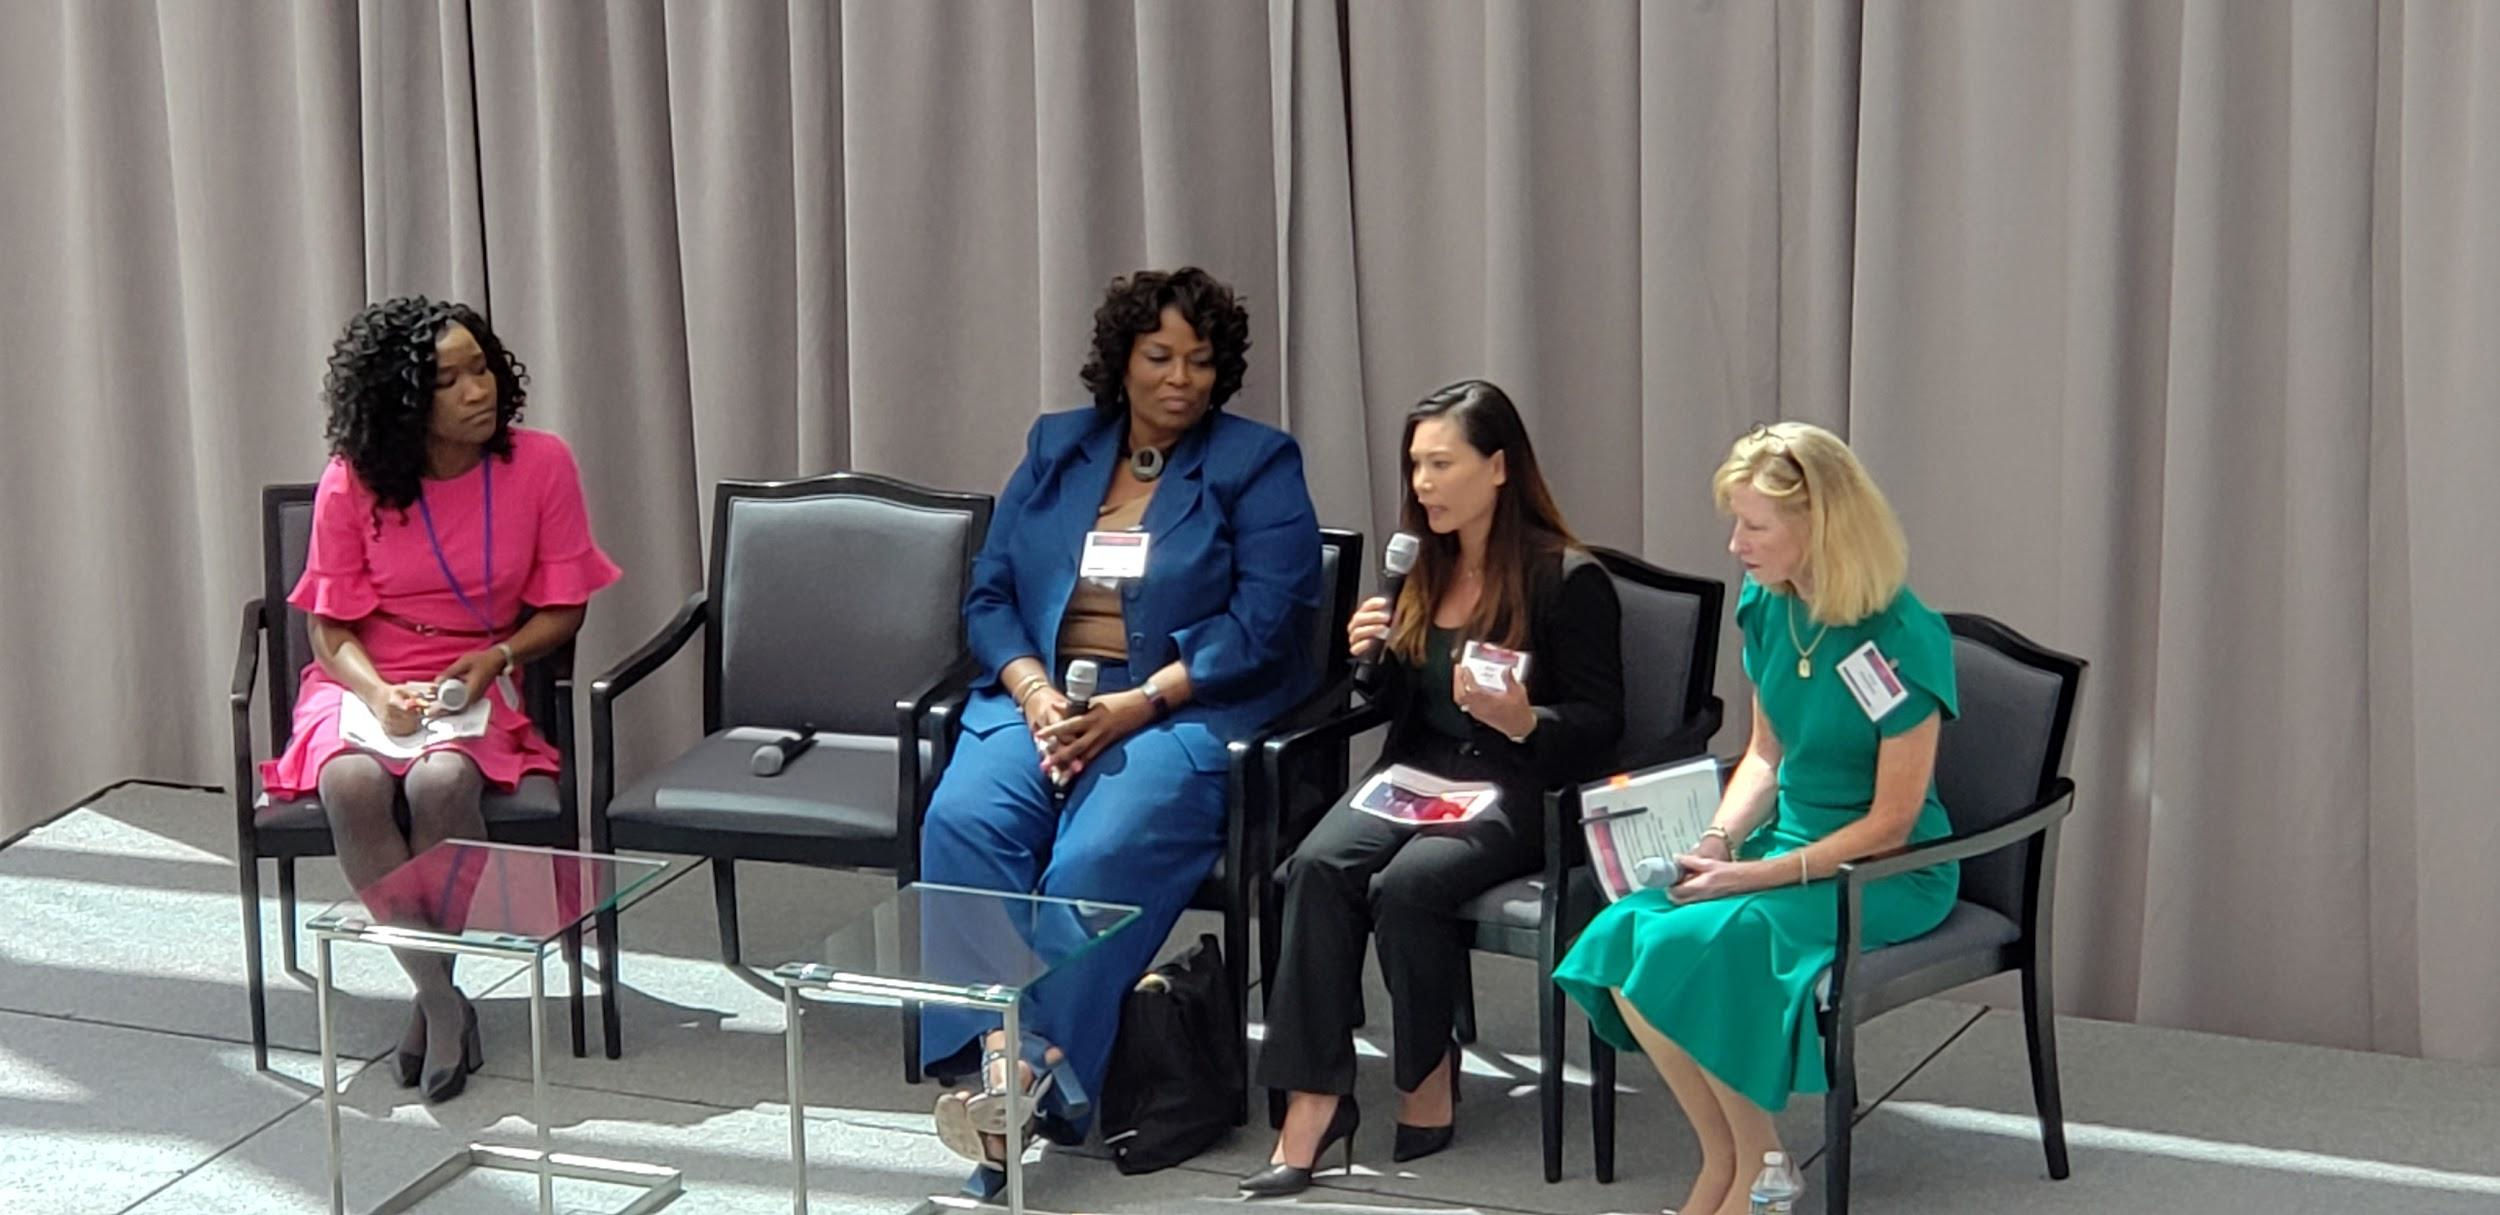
(443, 562)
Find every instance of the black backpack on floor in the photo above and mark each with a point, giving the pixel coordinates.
(1175, 1074)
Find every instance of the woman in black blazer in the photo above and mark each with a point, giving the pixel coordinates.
(1497, 565)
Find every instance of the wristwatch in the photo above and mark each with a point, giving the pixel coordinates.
(1154, 696)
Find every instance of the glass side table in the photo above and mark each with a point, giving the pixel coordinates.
(949, 946)
(500, 901)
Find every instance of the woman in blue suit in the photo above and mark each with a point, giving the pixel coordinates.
(1123, 802)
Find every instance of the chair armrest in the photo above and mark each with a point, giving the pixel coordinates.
(1252, 811)
(637, 666)
(247, 658)
(2034, 819)
(1852, 878)
(1289, 746)
(652, 654)
(239, 699)
(1282, 756)
(929, 713)
(952, 684)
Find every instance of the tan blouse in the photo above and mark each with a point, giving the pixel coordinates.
(1095, 627)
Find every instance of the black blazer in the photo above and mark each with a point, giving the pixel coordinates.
(1575, 681)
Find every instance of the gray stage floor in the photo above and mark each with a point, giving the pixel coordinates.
(126, 1082)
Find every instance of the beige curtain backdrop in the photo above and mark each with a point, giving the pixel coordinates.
(2165, 324)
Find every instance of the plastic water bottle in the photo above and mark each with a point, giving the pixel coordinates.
(1775, 1192)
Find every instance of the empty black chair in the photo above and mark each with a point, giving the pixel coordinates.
(829, 600)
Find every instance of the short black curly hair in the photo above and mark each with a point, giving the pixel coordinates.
(380, 390)
(1134, 306)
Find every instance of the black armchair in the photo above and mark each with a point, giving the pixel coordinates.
(829, 599)
(2001, 773)
(540, 811)
(1670, 641)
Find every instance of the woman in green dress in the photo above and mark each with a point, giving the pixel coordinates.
(1714, 977)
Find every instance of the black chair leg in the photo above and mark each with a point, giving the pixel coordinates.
(725, 904)
(1271, 947)
(573, 965)
(1602, 1105)
(2040, 1032)
(1549, 1078)
(286, 913)
(1840, 1111)
(256, 989)
(610, 1024)
(1237, 968)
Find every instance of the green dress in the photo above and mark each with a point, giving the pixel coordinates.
(1732, 980)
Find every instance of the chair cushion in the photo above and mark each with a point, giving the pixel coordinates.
(1969, 928)
(1509, 917)
(535, 800)
(842, 788)
(1506, 917)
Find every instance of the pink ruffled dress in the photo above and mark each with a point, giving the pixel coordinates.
(393, 589)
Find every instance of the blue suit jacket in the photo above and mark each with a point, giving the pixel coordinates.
(1232, 572)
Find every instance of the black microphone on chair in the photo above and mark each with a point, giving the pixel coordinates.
(771, 758)
(1395, 562)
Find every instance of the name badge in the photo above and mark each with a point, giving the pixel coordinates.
(1113, 556)
(1871, 679)
(1492, 666)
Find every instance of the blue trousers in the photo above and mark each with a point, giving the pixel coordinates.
(1141, 825)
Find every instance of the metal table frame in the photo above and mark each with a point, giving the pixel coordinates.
(809, 976)
(798, 977)
(660, 1185)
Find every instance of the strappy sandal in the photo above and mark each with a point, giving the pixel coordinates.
(1054, 1083)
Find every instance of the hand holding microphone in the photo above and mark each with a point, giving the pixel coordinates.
(1084, 676)
(1657, 872)
(1368, 632)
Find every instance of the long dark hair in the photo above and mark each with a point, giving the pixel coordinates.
(380, 390)
(1527, 526)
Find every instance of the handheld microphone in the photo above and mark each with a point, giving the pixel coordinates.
(1395, 562)
(1657, 872)
(772, 757)
(1084, 675)
(451, 696)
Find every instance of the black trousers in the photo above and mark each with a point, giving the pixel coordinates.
(1357, 873)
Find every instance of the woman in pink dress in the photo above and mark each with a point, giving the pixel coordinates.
(436, 523)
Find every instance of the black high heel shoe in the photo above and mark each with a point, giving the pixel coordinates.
(1417, 1142)
(1279, 1180)
(451, 1081)
(407, 1065)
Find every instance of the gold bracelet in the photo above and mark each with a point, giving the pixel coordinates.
(1024, 691)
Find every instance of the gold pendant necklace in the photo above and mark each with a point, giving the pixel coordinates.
(1805, 652)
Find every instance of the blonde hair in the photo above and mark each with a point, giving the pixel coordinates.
(1854, 544)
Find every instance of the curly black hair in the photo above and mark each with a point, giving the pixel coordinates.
(1134, 306)
(380, 390)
